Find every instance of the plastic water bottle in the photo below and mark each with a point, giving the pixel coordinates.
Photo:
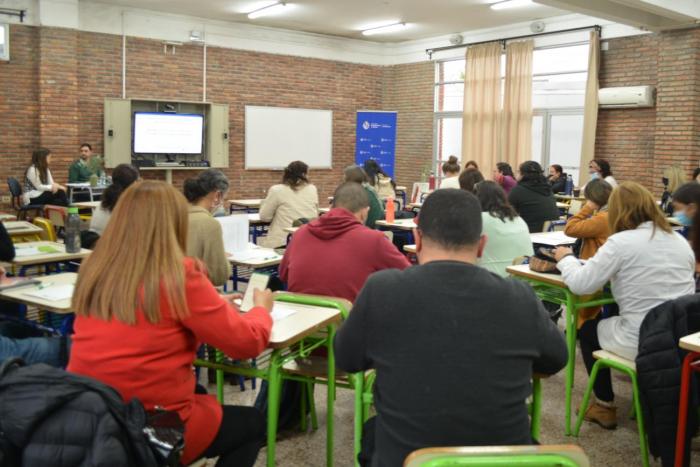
(389, 210)
(73, 231)
(569, 185)
(431, 181)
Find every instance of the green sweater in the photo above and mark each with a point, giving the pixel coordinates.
(80, 171)
(376, 212)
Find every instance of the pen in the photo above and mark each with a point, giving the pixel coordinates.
(44, 285)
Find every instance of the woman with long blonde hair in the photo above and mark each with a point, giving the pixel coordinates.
(143, 309)
(646, 264)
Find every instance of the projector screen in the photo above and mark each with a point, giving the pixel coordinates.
(163, 133)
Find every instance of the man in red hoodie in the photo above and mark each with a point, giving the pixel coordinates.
(335, 254)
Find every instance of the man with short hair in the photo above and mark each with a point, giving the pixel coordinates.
(454, 346)
(334, 254)
(83, 167)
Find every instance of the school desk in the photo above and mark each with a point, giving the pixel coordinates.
(23, 231)
(247, 205)
(291, 339)
(86, 204)
(44, 253)
(265, 260)
(551, 288)
(551, 238)
(85, 186)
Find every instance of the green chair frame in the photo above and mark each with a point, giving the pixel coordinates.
(499, 456)
(630, 371)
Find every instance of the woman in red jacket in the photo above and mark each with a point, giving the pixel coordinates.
(143, 309)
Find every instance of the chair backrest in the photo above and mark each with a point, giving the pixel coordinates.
(57, 215)
(49, 232)
(15, 191)
(564, 455)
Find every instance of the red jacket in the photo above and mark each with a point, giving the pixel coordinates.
(153, 362)
(335, 254)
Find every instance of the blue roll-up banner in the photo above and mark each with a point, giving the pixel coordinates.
(376, 139)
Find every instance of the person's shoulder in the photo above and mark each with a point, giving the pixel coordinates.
(388, 278)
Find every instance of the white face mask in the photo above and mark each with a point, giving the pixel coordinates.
(594, 175)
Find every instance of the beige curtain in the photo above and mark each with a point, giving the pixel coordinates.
(517, 104)
(482, 103)
(590, 109)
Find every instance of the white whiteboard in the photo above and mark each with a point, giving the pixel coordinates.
(276, 136)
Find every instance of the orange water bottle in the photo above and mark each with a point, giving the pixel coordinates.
(390, 209)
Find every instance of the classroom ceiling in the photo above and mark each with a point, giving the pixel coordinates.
(347, 18)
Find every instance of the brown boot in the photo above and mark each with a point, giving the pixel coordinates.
(604, 416)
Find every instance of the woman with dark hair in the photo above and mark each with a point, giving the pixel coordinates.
(450, 171)
(469, 178)
(506, 232)
(123, 176)
(600, 168)
(532, 197)
(39, 186)
(295, 198)
(355, 174)
(471, 165)
(590, 224)
(379, 180)
(503, 175)
(686, 200)
(205, 193)
(557, 178)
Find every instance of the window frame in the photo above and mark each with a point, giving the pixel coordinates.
(5, 27)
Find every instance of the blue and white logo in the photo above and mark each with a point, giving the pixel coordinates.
(365, 125)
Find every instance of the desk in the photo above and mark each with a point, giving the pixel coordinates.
(44, 257)
(551, 287)
(92, 190)
(400, 189)
(23, 231)
(19, 294)
(323, 210)
(569, 198)
(7, 217)
(398, 224)
(415, 206)
(86, 204)
(551, 238)
(691, 363)
(562, 205)
(247, 205)
(409, 249)
(287, 343)
(268, 259)
(257, 227)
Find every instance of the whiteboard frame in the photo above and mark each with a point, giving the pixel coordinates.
(246, 141)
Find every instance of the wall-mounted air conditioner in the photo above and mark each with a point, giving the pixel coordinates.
(627, 97)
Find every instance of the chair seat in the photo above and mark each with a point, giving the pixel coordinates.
(313, 366)
(605, 355)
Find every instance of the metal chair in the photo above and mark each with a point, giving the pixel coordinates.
(16, 199)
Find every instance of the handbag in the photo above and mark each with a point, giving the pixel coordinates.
(543, 261)
(165, 433)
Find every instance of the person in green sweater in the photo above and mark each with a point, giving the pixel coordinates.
(85, 166)
(355, 174)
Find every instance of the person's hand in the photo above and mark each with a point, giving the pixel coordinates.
(591, 205)
(54, 187)
(263, 298)
(561, 251)
(232, 297)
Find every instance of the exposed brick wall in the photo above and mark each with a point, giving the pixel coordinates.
(409, 89)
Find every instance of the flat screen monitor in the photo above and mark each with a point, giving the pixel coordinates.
(166, 133)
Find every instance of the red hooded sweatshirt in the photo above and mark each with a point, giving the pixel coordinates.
(335, 254)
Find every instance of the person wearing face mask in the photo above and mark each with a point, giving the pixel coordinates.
(600, 169)
(312, 258)
(685, 201)
(205, 194)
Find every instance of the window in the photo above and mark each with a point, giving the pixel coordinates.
(558, 94)
(4, 41)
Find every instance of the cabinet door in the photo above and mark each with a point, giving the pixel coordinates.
(218, 135)
(117, 128)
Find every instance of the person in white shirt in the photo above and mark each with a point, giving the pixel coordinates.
(646, 264)
(39, 186)
(295, 198)
(507, 234)
(600, 168)
(450, 171)
(123, 176)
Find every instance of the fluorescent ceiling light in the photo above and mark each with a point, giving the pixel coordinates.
(385, 29)
(268, 10)
(510, 4)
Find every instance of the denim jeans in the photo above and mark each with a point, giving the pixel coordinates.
(19, 341)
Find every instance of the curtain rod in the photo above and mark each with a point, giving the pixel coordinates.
(14, 12)
(504, 40)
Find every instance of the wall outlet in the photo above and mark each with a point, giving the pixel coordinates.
(5, 199)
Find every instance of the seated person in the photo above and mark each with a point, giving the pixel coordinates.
(532, 197)
(469, 178)
(334, 254)
(449, 372)
(141, 315)
(379, 180)
(591, 222)
(557, 178)
(646, 264)
(450, 170)
(507, 236)
(205, 241)
(503, 175)
(295, 198)
(39, 186)
(85, 166)
(355, 173)
(123, 176)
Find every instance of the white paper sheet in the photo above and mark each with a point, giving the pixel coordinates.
(281, 310)
(552, 238)
(235, 232)
(254, 252)
(54, 292)
(26, 251)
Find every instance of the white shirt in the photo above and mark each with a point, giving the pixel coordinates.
(39, 188)
(100, 218)
(644, 271)
(611, 180)
(282, 207)
(450, 182)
